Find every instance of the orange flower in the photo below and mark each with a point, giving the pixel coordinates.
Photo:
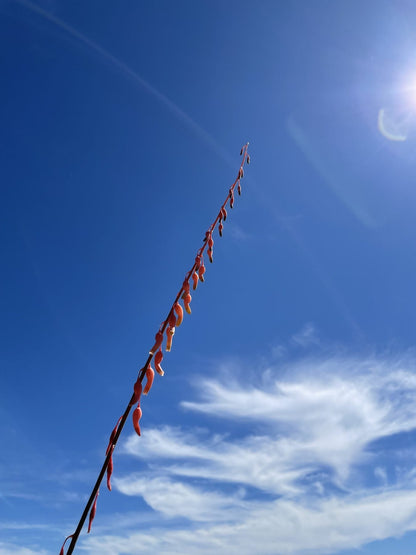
(187, 301)
(93, 511)
(179, 311)
(150, 376)
(201, 272)
(158, 360)
(195, 279)
(170, 332)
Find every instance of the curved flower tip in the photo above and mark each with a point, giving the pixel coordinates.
(195, 279)
(179, 313)
(220, 228)
(241, 151)
(187, 301)
(170, 332)
(93, 511)
(224, 213)
(158, 342)
(241, 173)
(137, 414)
(248, 158)
(158, 360)
(239, 188)
(150, 376)
(201, 272)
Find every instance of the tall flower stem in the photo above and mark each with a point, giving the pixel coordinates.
(183, 291)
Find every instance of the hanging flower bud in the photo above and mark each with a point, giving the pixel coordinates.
(224, 213)
(179, 311)
(248, 159)
(239, 187)
(93, 511)
(111, 447)
(158, 360)
(241, 173)
(137, 414)
(170, 332)
(220, 228)
(231, 198)
(195, 279)
(201, 272)
(150, 376)
(187, 301)
(186, 286)
(241, 151)
(158, 343)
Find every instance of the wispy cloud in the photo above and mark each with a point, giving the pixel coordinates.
(299, 475)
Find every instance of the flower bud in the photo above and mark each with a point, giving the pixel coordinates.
(179, 311)
(137, 414)
(220, 228)
(241, 151)
(172, 319)
(158, 360)
(231, 198)
(201, 272)
(150, 376)
(137, 391)
(187, 301)
(93, 511)
(241, 173)
(248, 159)
(224, 213)
(210, 255)
(195, 279)
(239, 187)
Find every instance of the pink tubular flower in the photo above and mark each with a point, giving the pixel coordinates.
(150, 376)
(158, 343)
(137, 391)
(93, 511)
(137, 414)
(220, 228)
(111, 447)
(179, 312)
(158, 360)
(239, 187)
(224, 213)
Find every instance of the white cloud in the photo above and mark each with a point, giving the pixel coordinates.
(295, 479)
(12, 549)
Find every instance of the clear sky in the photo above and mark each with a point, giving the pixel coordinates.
(286, 419)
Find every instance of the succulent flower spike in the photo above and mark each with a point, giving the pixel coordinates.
(239, 187)
(158, 360)
(241, 173)
(93, 511)
(187, 301)
(198, 261)
(137, 414)
(201, 272)
(170, 332)
(158, 343)
(231, 198)
(224, 213)
(110, 447)
(195, 279)
(150, 376)
(109, 471)
(220, 228)
(179, 312)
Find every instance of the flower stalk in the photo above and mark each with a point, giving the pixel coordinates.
(168, 326)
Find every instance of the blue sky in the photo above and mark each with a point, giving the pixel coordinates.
(286, 419)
